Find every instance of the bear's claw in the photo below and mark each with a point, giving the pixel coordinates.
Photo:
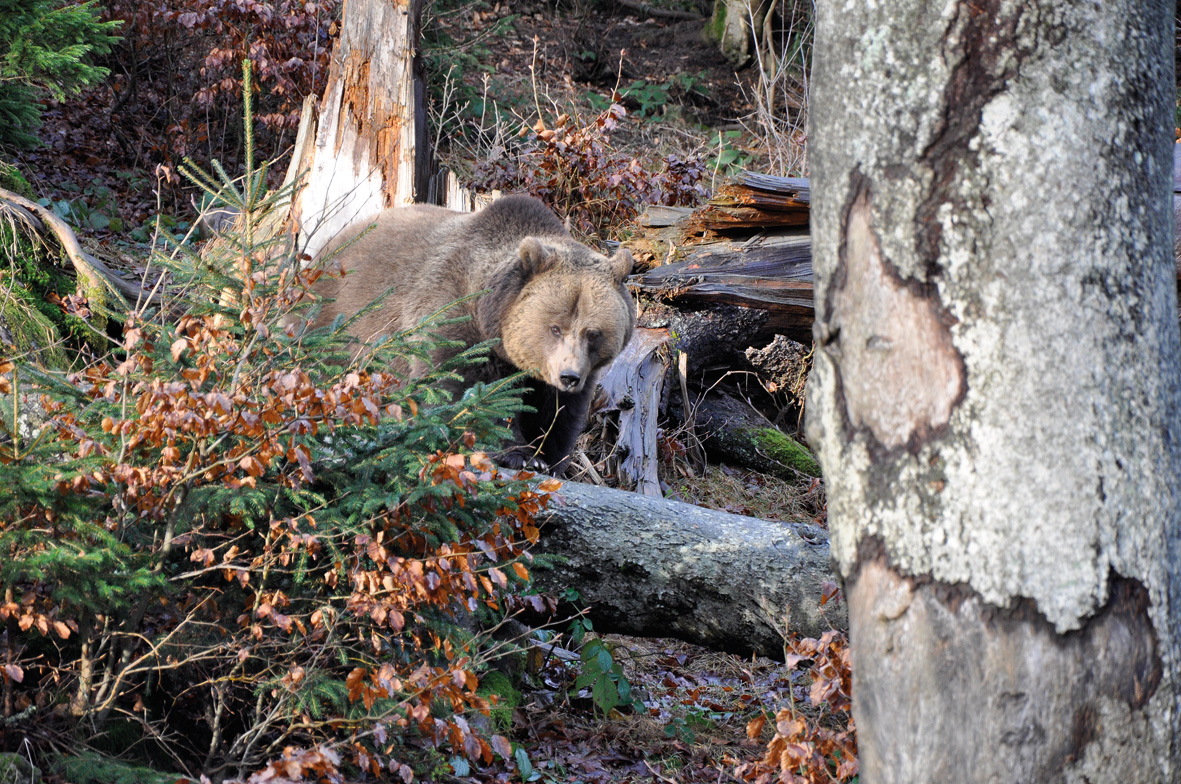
(520, 457)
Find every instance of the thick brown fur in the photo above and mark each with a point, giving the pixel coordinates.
(560, 309)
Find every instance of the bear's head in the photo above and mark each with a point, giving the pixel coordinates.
(570, 315)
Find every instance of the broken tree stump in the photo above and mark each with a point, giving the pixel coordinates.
(371, 147)
(635, 385)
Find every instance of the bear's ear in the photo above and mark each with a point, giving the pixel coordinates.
(621, 264)
(535, 256)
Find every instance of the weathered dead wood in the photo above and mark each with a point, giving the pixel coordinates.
(633, 386)
(715, 218)
(764, 200)
(798, 188)
(371, 148)
(753, 202)
(772, 274)
(771, 271)
(659, 568)
(714, 338)
(658, 216)
(782, 365)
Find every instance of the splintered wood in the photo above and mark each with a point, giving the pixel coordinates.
(754, 202)
(633, 387)
(749, 247)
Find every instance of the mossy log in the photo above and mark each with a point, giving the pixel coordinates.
(658, 568)
(735, 432)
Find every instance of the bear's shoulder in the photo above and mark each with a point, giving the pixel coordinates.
(510, 219)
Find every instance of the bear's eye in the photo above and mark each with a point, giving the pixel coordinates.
(592, 336)
(554, 328)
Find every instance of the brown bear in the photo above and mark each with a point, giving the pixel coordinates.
(560, 309)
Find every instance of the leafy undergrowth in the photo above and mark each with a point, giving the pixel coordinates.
(694, 716)
(175, 91)
(233, 549)
(109, 158)
(573, 167)
(303, 622)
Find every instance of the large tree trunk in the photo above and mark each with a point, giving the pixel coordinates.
(661, 568)
(371, 148)
(997, 390)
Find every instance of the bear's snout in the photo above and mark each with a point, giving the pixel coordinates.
(566, 373)
(567, 365)
(569, 380)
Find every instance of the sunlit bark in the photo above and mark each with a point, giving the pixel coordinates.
(997, 392)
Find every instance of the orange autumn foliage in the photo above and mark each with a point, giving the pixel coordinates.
(817, 745)
(227, 527)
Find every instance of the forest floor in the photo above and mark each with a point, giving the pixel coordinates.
(682, 96)
(497, 69)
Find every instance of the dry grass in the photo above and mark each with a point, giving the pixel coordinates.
(746, 492)
(779, 97)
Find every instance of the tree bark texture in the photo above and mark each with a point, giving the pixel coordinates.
(996, 397)
(771, 275)
(659, 568)
(371, 148)
(732, 26)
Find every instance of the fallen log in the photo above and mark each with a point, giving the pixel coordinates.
(93, 274)
(657, 568)
(799, 188)
(657, 12)
(714, 218)
(754, 202)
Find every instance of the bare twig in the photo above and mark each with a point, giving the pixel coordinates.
(784, 68)
(585, 464)
(695, 451)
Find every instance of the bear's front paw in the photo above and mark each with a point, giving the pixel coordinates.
(522, 457)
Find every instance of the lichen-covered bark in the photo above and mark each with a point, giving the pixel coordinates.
(997, 395)
(371, 150)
